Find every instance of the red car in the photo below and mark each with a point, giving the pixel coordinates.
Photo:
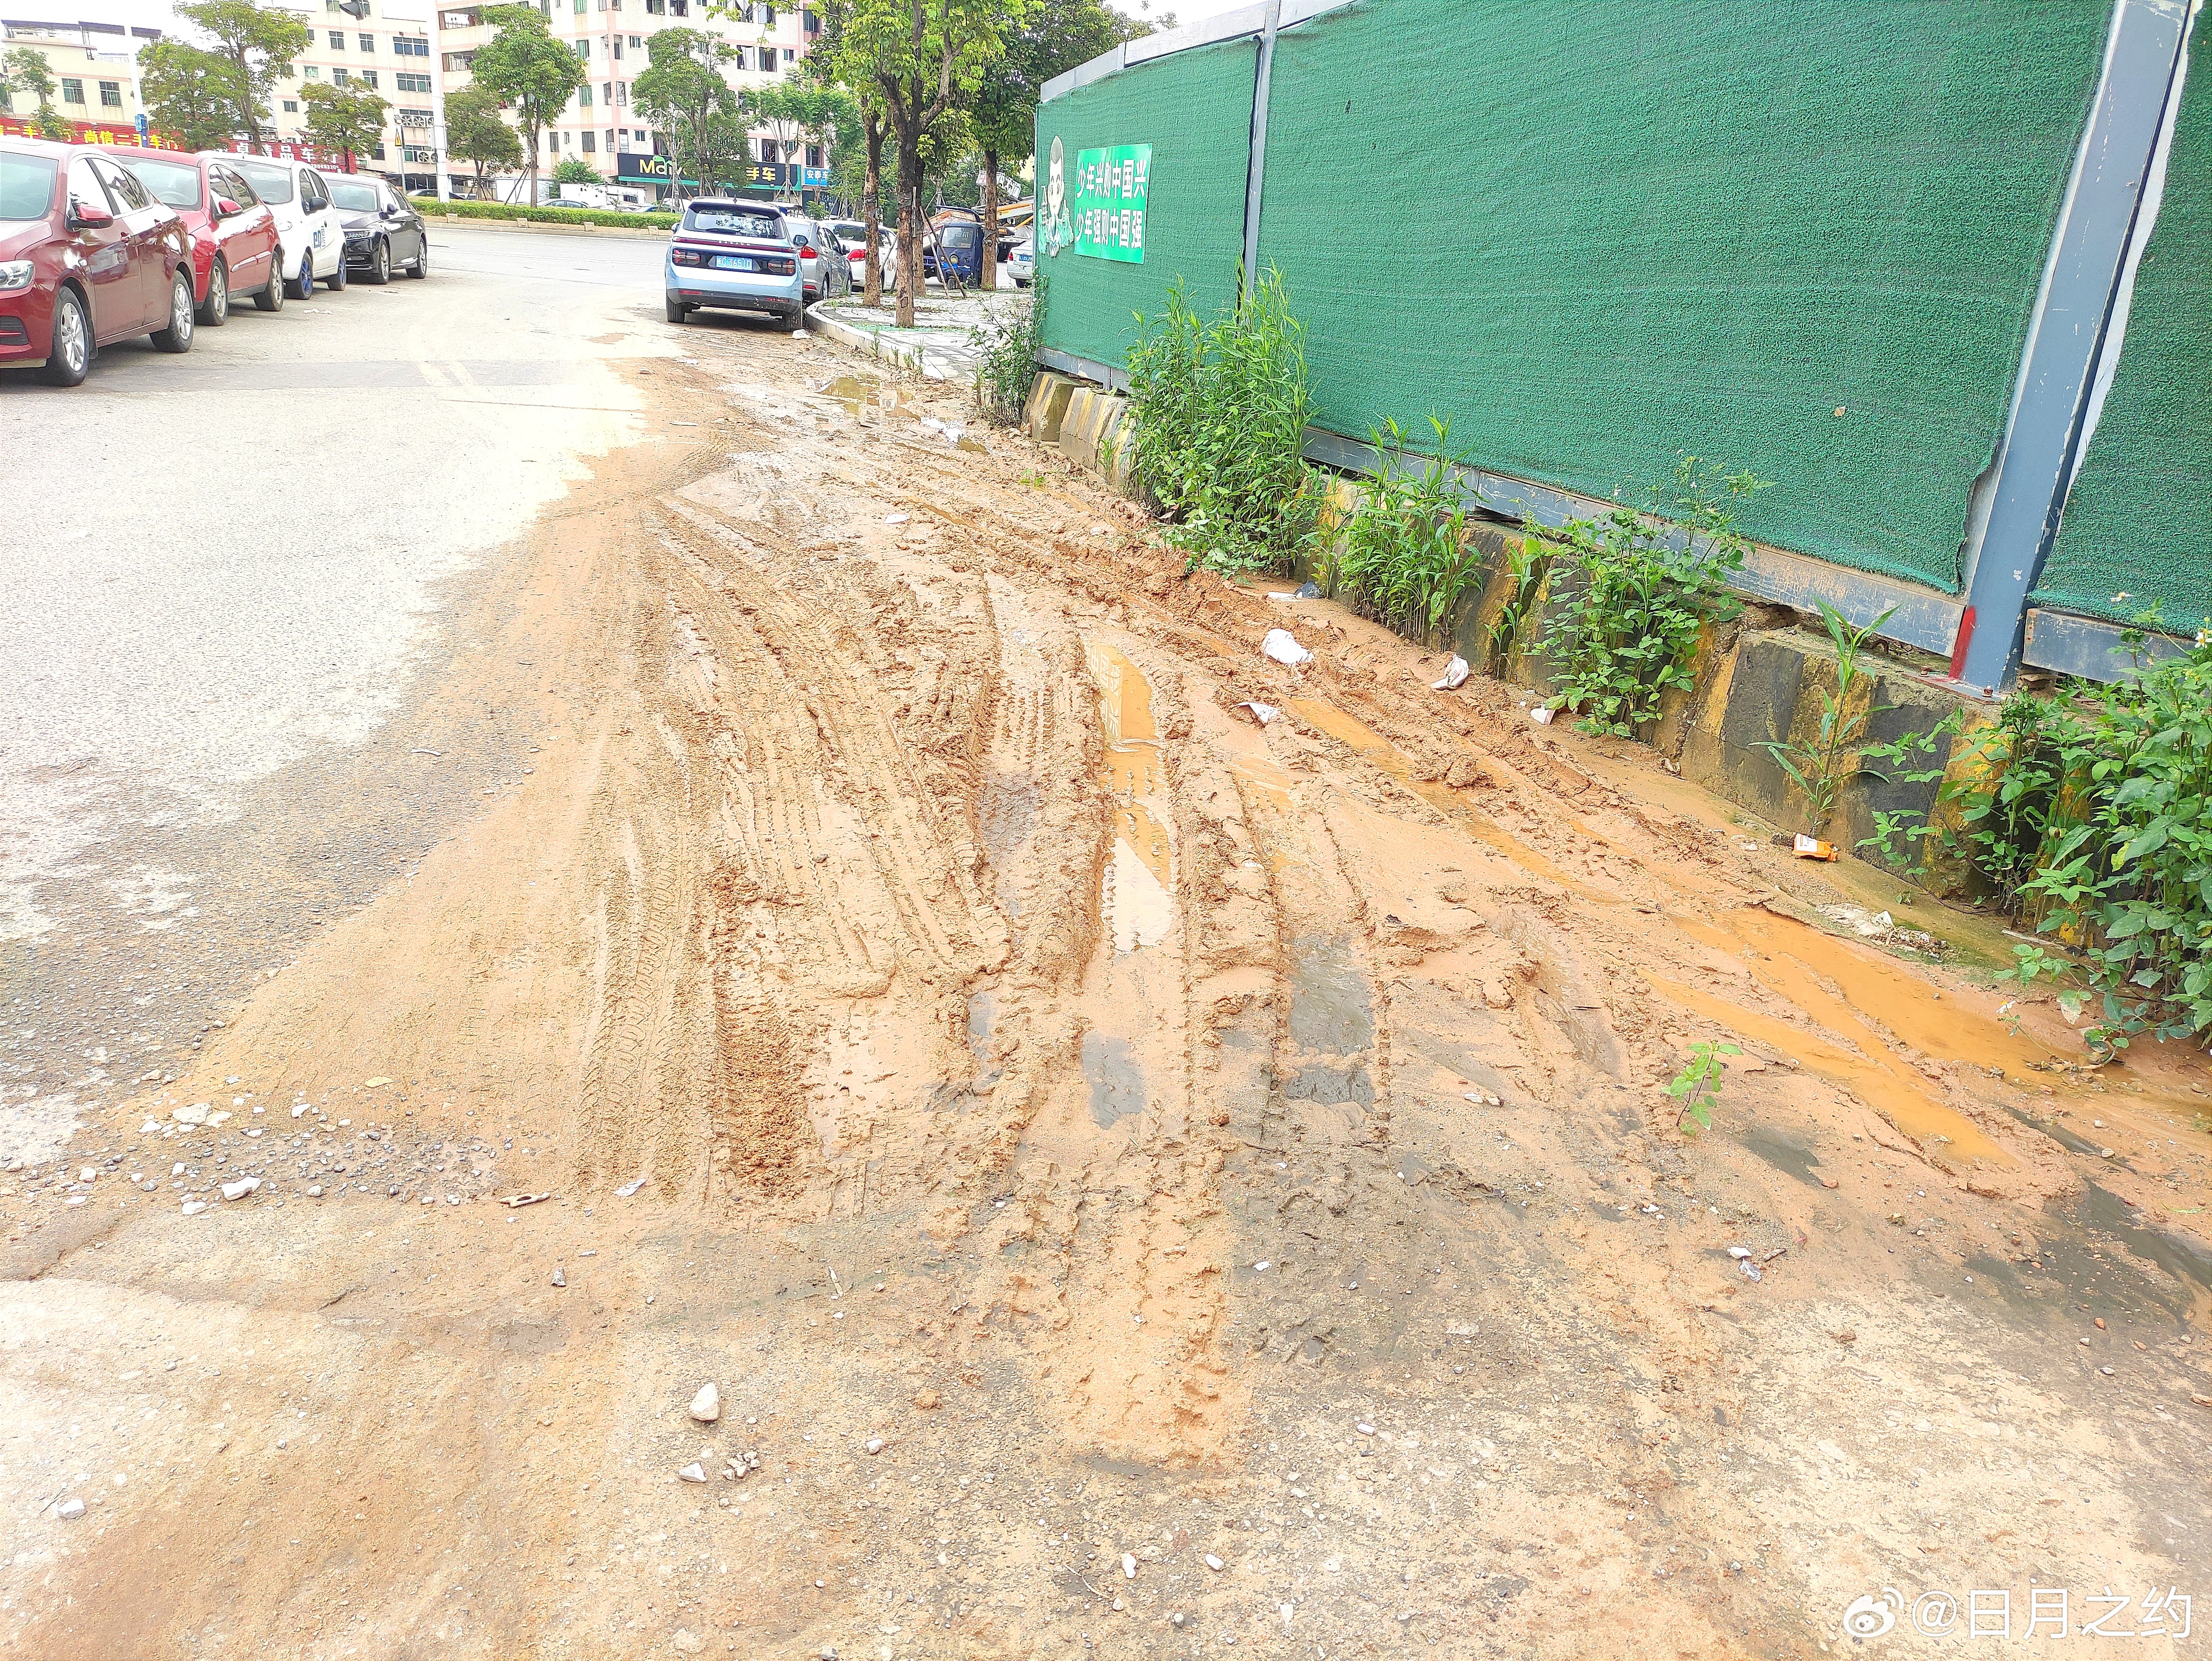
(86, 257)
(234, 232)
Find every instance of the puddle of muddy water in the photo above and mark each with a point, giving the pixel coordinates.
(853, 390)
(1139, 878)
(1117, 1083)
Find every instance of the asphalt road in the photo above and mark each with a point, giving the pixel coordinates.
(228, 570)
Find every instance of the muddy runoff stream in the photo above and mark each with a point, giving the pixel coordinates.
(1141, 1181)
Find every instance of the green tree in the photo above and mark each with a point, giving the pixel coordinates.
(260, 46)
(1052, 40)
(345, 120)
(527, 70)
(476, 132)
(925, 58)
(682, 93)
(826, 64)
(574, 170)
(191, 93)
(27, 71)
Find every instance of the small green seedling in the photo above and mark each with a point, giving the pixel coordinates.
(1697, 1086)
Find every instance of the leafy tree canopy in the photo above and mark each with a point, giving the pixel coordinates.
(259, 45)
(192, 94)
(348, 120)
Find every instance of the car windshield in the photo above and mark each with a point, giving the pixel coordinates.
(962, 236)
(271, 182)
(851, 230)
(733, 222)
(26, 186)
(176, 183)
(354, 196)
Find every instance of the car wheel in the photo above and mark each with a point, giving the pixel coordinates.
(216, 312)
(306, 283)
(379, 263)
(71, 354)
(336, 280)
(270, 296)
(178, 336)
(421, 266)
(678, 314)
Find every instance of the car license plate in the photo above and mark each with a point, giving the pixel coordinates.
(734, 262)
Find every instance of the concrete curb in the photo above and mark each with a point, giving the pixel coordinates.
(621, 233)
(908, 355)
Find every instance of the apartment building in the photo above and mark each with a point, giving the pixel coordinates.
(599, 126)
(96, 67)
(386, 47)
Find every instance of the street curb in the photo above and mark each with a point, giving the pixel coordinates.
(620, 232)
(908, 356)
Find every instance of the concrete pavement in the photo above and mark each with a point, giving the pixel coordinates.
(230, 571)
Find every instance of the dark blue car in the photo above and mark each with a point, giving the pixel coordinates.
(958, 245)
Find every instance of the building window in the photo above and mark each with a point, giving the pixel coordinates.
(312, 73)
(339, 77)
(411, 45)
(368, 43)
(368, 79)
(377, 154)
(622, 94)
(111, 95)
(404, 82)
(636, 41)
(814, 155)
(679, 8)
(337, 39)
(72, 90)
(584, 96)
(611, 141)
(618, 49)
(607, 91)
(587, 140)
(291, 107)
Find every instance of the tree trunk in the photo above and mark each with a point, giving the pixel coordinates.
(533, 168)
(871, 210)
(990, 277)
(909, 190)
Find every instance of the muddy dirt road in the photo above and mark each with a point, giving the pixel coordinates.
(1140, 1181)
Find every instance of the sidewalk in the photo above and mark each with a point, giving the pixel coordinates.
(937, 348)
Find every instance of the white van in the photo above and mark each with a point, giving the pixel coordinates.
(307, 227)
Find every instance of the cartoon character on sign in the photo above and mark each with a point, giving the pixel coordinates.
(1058, 230)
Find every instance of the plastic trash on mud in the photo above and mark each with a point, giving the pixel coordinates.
(1456, 673)
(1280, 646)
(1261, 713)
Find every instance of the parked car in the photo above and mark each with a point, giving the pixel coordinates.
(382, 228)
(86, 257)
(958, 243)
(823, 263)
(736, 257)
(1020, 264)
(234, 243)
(307, 222)
(853, 236)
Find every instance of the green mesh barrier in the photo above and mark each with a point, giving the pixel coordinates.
(1194, 109)
(2135, 523)
(1595, 236)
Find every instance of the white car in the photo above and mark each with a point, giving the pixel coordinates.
(1020, 264)
(854, 235)
(308, 231)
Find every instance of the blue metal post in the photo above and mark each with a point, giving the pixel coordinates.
(2089, 251)
(1257, 166)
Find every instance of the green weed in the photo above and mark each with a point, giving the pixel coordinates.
(1405, 554)
(1218, 409)
(2099, 828)
(1697, 1086)
(1007, 366)
(1648, 586)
